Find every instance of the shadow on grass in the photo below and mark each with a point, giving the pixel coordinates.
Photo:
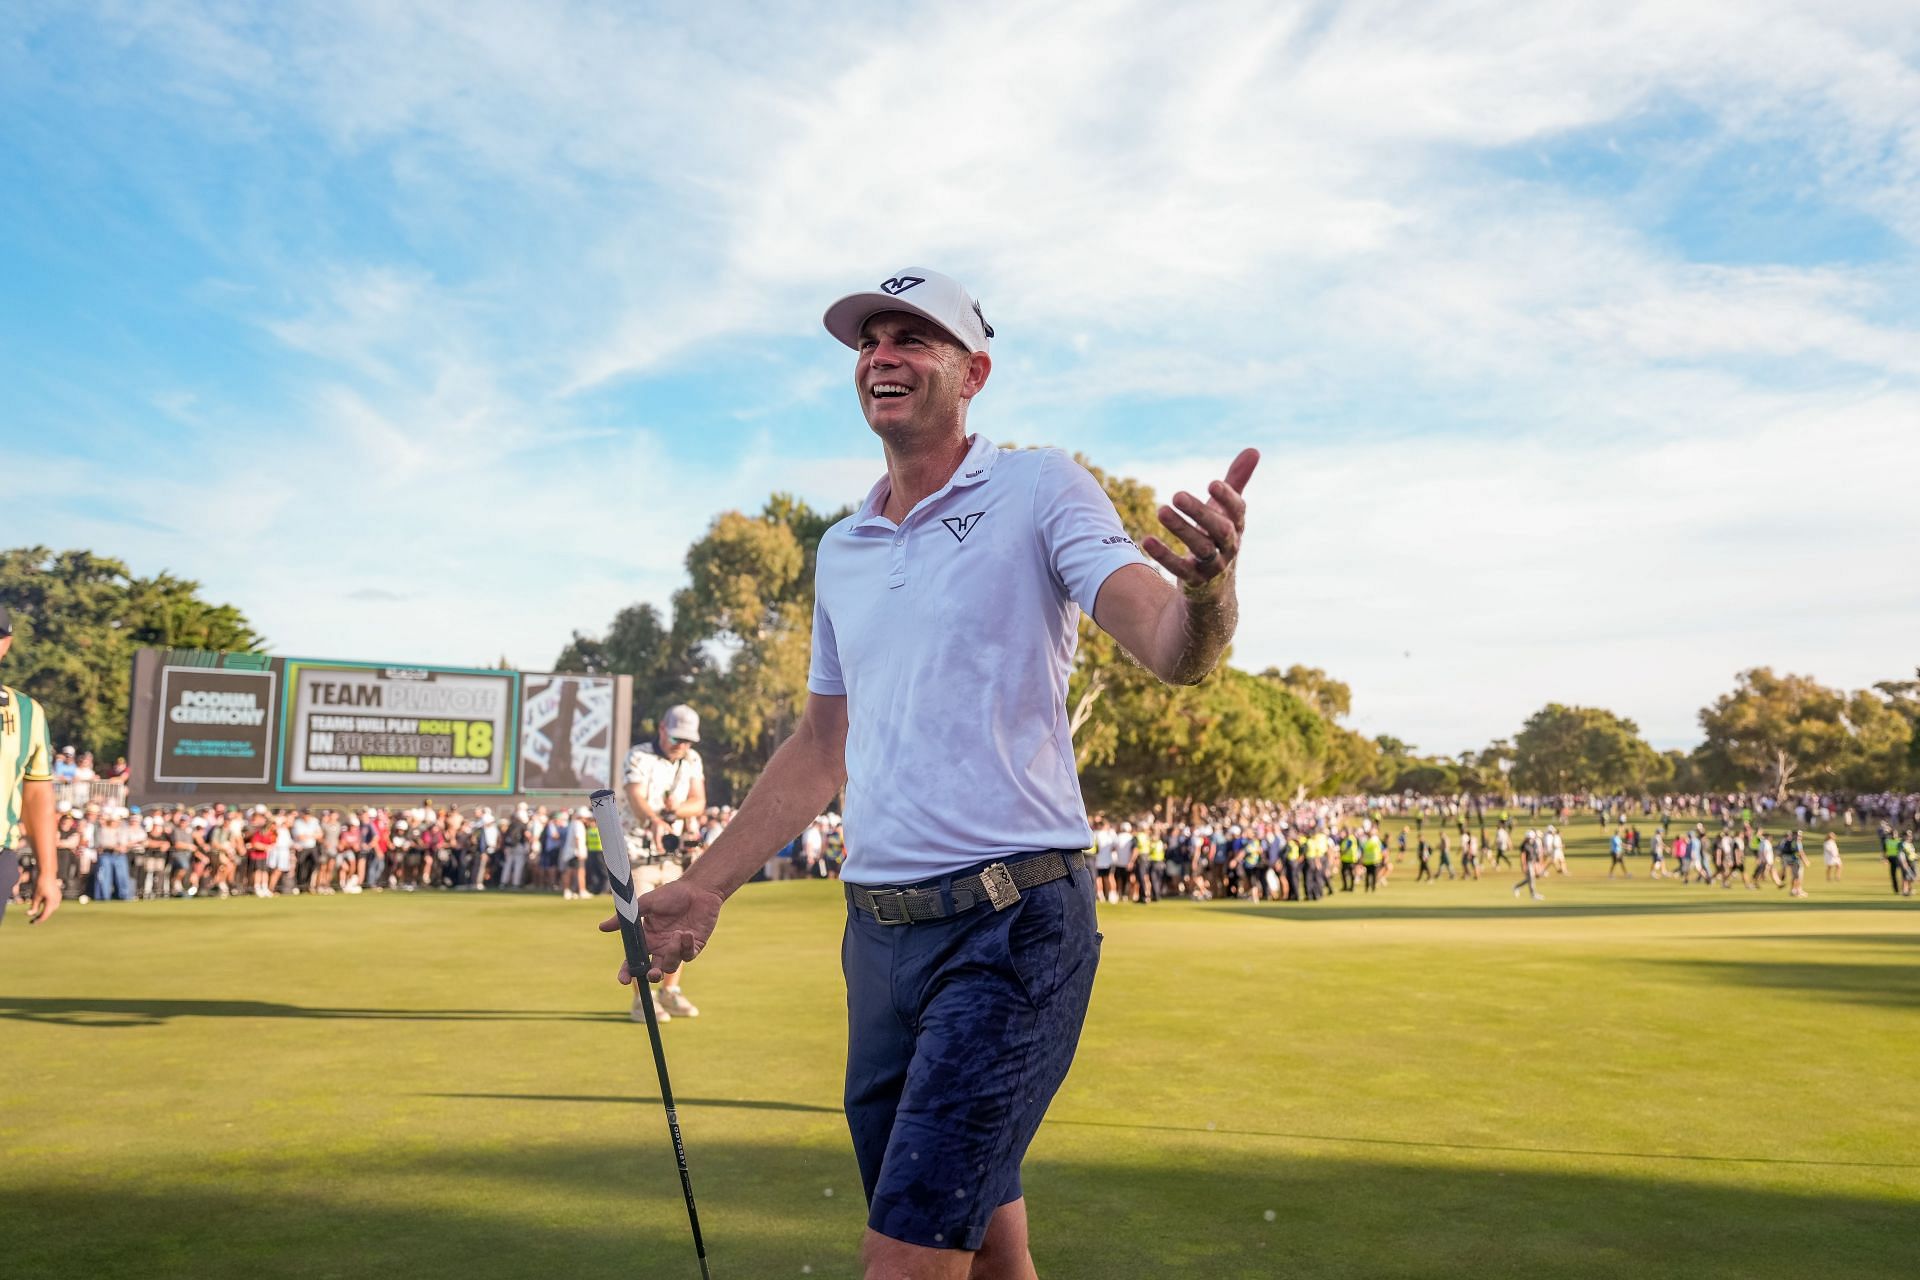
(769, 1104)
(605, 1209)
(106, 1011)
(736, 1104)
(1857, 939)
(1708, 902)
(1892, 986)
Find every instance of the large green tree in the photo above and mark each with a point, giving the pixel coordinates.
(1234, 734)
(1564, 748)
(638, 644)
(77, 619)
(1892, 763)
(737, 645)
(1777, 731)
(1332, 698)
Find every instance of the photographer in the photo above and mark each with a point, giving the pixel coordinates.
(665, 788)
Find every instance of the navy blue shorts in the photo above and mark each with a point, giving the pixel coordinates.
(959, 1032)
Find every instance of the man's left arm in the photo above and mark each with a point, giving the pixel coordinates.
(43, 835)
(1179, 629)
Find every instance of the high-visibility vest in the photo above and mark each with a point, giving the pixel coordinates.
(1370, 851)
(1349, 851)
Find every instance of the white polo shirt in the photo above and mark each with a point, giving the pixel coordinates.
(952, 636)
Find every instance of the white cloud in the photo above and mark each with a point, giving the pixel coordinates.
(1509, 433)
(1460, 587)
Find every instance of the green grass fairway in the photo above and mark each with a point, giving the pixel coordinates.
(1630, 1078)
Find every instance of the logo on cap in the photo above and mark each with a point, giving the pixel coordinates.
(900, 284)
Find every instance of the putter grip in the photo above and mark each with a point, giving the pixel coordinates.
(613, 850)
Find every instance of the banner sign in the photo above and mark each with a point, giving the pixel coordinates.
(566, 732)
(247, 728)
(214, 725)
(352, 726)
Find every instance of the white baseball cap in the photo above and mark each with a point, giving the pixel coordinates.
(681, 722)
(923, 292)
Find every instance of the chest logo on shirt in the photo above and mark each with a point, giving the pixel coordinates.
(961, 526)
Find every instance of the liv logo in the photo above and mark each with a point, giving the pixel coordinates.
(961, 526)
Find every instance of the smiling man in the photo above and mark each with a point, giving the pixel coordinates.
(944, 629)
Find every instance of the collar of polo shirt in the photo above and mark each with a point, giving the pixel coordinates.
(974, 469)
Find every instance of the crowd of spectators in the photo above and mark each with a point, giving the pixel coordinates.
(119, 852)
(1269, 851)
(1258, 850)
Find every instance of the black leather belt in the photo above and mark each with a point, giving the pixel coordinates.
(999, 883)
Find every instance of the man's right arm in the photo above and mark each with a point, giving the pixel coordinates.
(804, 775)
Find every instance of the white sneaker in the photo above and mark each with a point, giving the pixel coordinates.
(678, 1005)
(639, 1011)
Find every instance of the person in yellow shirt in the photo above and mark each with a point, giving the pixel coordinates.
(26, 794)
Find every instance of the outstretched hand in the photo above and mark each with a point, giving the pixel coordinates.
(676, 920)
(1209, 530)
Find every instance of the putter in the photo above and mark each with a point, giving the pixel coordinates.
(613, 848)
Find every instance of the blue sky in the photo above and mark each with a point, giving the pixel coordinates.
(1583, 346)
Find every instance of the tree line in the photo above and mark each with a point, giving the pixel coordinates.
(735, 643)
(77, 620)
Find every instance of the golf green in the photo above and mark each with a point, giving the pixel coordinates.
(1630, 1077)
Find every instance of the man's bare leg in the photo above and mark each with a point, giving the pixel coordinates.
(1003, 1254)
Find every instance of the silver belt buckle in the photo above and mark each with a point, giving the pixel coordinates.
(998, 882)
(895, 896)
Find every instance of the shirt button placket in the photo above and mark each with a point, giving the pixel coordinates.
(897, 567)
